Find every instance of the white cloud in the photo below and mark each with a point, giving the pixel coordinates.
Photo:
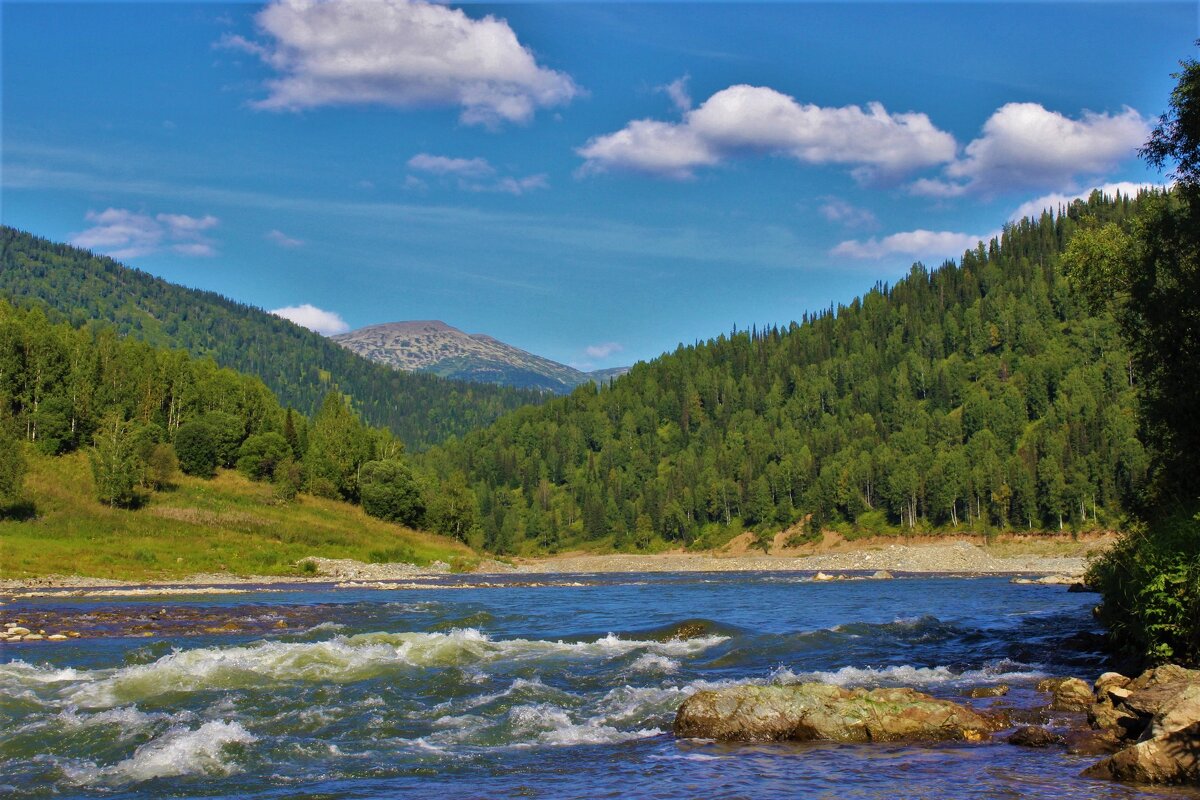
(677, 90)
(759, 120)
(442, 165)
(837, 210)
(402, 54)
(603, 350)
(1055, 200)
(326, 323)
(121, 233)
(514, 186)
(1024, 145)
(918, 243)
(282, 239)
(472, 174)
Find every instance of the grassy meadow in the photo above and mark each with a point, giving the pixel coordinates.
(225, 525)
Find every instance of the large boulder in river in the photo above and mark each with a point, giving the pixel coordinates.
(1067, 694)
(1171, 758)
(823, 712)
(1160, 709)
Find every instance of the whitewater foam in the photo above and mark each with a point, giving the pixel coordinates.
(179, 751)
(341, 659)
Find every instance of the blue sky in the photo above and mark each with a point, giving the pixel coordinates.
(592, 182)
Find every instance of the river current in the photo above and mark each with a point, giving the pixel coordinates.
(566, 689)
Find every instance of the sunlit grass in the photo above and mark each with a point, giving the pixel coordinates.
(228, 524)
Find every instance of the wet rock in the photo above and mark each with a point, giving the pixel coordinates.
(1092, 742)
(1034, 736)
(1168, 673)
(17, 630)
(1111, 679)
(823, 712)
(1067, 694)
(1171, 758)
(1105, 716)
(821, 576)
(32, 637)
(1176, 713)
(998, 690)
(57, 637)
(882, 575)
(1080, 586)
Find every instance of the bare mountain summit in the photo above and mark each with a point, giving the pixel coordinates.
(433, 346)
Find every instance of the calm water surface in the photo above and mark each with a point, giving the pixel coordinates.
(548, 691)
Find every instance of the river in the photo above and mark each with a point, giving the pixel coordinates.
(560, 690)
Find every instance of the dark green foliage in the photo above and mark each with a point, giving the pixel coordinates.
(980, 395)
(1151, 586)
(1177, 134)
(261, 453)
(1151, 275)
(196, 448)
(298, 365)
(390, 492)
(12, 468)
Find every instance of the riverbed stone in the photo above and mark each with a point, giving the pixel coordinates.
(1111, 679)
(1067, 694)
(1171, 758)
(1034, 736)
(824, 712)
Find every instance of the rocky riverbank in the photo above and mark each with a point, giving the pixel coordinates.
(1148, 727)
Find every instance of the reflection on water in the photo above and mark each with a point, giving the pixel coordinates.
(530, 691)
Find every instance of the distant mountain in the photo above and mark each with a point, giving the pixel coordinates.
(298, 365)
(433, 346)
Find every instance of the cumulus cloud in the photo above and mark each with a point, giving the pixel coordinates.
(839, 211)
(1025, 145)
(1055, 200)
(282, 239)
(918, 243)
(401, 54)
(471, 174)
(759, 120)
(326, 323)
(121, 233)
(603, 350)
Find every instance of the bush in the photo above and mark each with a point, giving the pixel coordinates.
(196, 448)
(389, 492)
(1150, 581)
(260, 454)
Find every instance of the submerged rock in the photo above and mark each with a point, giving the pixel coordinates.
(823, 712)
(998, 690)
(1034, 736)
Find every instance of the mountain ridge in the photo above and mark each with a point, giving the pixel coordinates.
(435, 347)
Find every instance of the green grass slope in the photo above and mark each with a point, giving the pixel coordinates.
(224, 525)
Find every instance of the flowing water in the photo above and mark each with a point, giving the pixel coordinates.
(559, 690)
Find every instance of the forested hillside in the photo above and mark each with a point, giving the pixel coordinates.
(142, 415)
(298, 365)
(978, 395)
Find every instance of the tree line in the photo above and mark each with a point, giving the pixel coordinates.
(981, 394)
(299, 366)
